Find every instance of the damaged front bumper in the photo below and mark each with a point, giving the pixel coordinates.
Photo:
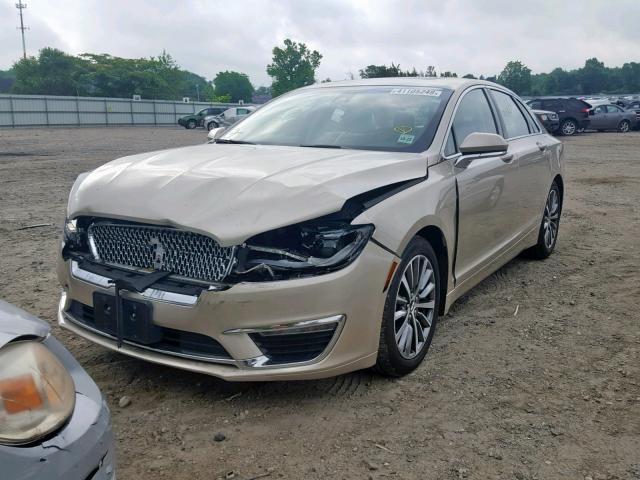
(303, 328)
(83, 449)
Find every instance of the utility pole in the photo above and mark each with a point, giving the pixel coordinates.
(198, 91)
(21, 6)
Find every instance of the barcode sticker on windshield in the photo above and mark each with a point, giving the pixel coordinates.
(429, 92)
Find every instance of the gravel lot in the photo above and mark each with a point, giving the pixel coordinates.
(552, 392)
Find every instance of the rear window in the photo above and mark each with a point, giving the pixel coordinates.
(578, 104)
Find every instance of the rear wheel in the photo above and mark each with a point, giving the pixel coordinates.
(624, 126)
(548, 233)
(569, 127)
(211, 125)
(410, 311)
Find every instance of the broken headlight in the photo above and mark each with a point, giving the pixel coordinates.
(37, 394)
(73, 236)
(303, 249)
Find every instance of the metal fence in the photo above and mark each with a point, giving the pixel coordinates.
(48, 110)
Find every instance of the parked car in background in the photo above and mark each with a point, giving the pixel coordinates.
(197, 119)
(54, 423)
(228, 117)
(573, 113)
(325, 233)
(548, 119)
(612, 117)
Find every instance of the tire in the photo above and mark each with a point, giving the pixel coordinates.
(191, 124)
(624, 126)
(550, 225)
(569, 127)
(394, 360)
(211, 125)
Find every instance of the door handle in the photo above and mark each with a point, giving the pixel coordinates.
(507, 158)
(541, 146)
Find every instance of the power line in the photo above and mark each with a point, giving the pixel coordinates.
(21, 6)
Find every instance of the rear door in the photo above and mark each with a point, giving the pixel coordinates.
(487, 197)
(614, 116)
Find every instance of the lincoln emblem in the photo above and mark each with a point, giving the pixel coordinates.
(158, 253)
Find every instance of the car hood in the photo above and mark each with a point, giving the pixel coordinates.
(16, 323)
(232, 192)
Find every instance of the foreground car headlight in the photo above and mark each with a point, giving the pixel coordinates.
(543, 117)
(303, 249)
(37, 394)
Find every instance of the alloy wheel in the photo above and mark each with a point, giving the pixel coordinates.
(414, 306)
(569, 128)
(551, 219)
(624, 126)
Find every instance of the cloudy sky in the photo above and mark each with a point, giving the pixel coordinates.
(206, 36)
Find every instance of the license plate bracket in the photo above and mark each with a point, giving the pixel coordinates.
(137, 319)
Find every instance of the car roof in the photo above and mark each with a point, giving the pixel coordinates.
(441, 82)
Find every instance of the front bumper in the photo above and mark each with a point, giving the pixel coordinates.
(83, 449)
(353, 297)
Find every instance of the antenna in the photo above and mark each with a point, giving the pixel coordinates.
(21, 6)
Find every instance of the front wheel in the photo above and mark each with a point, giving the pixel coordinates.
(569, 127)
(410, 311)
(548, 233)
(211, 125)
(191, 124)
(624, 126)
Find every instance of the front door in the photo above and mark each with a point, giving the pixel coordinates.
(487, 198)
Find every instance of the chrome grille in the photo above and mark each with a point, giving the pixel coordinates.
(183, 253)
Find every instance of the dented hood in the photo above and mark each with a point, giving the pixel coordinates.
(232, 192)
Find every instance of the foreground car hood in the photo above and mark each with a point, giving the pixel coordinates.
(16, 323)
(232, 192)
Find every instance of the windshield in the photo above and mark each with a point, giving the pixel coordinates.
(402, 119)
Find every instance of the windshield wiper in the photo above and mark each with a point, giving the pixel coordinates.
(233, 142)
(321, 146)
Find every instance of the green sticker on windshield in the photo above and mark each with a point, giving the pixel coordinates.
(406, 138)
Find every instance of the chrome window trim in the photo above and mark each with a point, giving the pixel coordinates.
(455, 110)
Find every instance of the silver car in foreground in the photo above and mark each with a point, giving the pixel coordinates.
(324, 233)
(54, 424)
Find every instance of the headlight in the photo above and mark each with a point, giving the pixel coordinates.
(553, 116)
(543, 117)
(305, 249)
(37, 394)
(73, 236)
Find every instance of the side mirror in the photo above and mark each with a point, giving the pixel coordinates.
(483, 143)
(216, 133)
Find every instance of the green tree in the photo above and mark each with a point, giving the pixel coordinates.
(517, 77)
(293, 66)
(630, 77)
(7, 79)
(53, 72)
(448, 74)
(234, 84)
(593, 76)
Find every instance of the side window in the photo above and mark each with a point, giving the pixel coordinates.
(473, 115)
(514, 122)
(601, 109)
(243, 111)
(533, 126)
(553, 105)
(450, 146)
(202, 113)
(613, 109)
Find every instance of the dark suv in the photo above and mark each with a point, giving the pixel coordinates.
(195, 119)
(573, 113)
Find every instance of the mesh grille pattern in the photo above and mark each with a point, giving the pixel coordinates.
(183, 253)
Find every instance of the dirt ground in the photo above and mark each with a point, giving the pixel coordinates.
(549, 392)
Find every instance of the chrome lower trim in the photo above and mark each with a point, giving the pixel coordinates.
(297, 327)
(227, 361)
(151, 293)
